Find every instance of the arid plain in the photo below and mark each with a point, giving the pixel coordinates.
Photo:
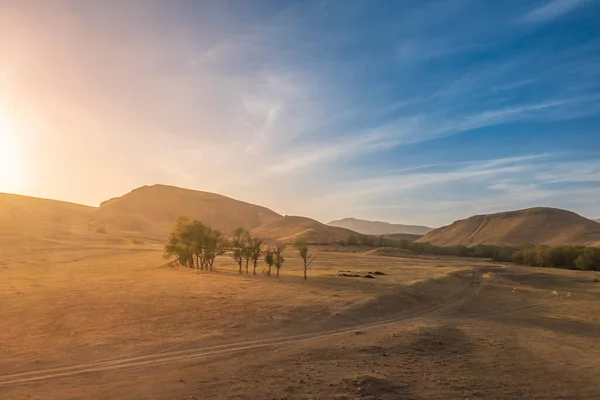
(98, 316)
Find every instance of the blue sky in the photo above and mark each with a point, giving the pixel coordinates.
(413, 112)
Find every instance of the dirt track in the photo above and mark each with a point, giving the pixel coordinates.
(426, 330)
(151, 360)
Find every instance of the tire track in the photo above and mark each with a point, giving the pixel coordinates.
(156, 359)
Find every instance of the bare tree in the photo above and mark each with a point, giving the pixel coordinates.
(305, 254)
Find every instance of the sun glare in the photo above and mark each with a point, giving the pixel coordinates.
(11, 165)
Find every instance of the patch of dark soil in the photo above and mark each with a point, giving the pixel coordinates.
(440, 340)
(372, 350)
(374, 387)
(369, 276)
(377, 273)
(350, 275)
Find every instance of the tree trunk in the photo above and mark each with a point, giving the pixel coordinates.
(305, 266)
(240, 264)
(247, 262)
(278, 272)
(269, 271)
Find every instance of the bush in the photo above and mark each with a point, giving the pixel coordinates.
(589, 260)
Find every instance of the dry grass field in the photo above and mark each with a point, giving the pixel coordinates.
(91, 316)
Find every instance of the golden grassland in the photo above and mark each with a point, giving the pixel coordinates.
(95, 303)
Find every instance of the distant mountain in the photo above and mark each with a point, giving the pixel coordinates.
(539, 225)
(378, 227)
(153, 209)
(597, 220)
(290, 228)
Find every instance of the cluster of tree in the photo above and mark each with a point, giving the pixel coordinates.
(196, 245)
(245, 248)
(572, 257)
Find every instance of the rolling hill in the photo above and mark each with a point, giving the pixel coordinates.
(403, 236)
(378, 227)
(291, 228)
(153, 209)
(538, 225)
(150, 211)
(18, 212)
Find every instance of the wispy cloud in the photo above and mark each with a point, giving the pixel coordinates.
(487, 185)
(552, 10)
(307, 109)
(420, 128)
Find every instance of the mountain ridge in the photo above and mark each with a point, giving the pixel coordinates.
(367, 227)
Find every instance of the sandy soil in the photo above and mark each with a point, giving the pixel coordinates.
(106, 321)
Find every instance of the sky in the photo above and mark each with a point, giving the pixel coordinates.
(419, 112)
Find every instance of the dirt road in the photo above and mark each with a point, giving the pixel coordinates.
(498, 333)
(151, 360)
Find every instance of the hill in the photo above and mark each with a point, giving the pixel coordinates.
(378, 227)
(20, 212)
(597, 220)
(153, 209)
(403, 236)
(539, 225)
(291, 228)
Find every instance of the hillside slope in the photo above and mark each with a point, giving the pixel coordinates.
(378, 227)
(539, 225)
(153, 209)
(18, 212)
(403, 236)
(291, 228)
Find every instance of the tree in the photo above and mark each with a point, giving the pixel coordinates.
(305, 254)
(247, 253)
(237, 245)
(278, 255)
(213, 245)
(589, 259)
(197, 233)
(196, 245)
(270, 260)
(255, 246)
(179, 243)
(352, 240)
